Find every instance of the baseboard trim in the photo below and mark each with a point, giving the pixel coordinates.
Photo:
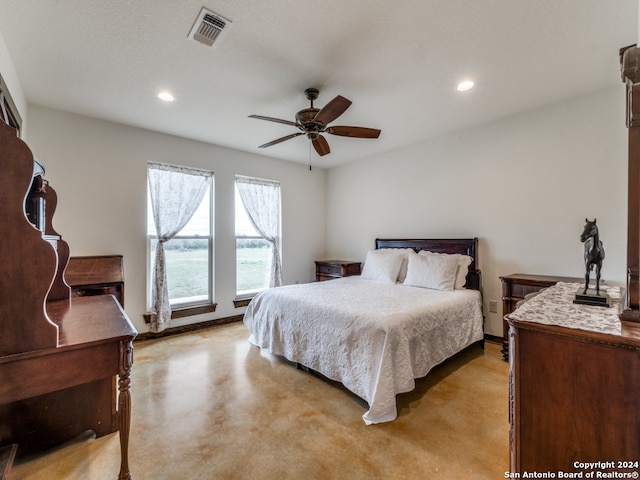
(234, 318)
(492, 338)
(188, 328)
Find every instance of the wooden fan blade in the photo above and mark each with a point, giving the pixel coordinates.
(332, 110)
(321, 145)
(281, 139)
(355, 132)
(271, 119)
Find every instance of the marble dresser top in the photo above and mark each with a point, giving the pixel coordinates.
(554, 306)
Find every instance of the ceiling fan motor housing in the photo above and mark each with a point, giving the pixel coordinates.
(306, 121)
(306, 117)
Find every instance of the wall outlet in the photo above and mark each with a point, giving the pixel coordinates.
(493, 306)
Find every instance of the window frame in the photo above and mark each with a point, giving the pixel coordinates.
(243, 299)
(189, 308)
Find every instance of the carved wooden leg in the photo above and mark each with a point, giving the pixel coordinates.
(124, 407)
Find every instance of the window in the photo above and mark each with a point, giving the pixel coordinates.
(253, 254)
(188, 256)
(257, 216)
(180, 199)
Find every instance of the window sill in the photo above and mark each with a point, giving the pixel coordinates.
(187, 311)
(242, 301)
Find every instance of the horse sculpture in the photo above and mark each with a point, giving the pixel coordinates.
(593, 253)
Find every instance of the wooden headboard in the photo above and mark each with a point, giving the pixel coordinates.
(465, 246)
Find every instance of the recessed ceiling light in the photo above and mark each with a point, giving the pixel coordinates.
(466, 85)
(166, 96)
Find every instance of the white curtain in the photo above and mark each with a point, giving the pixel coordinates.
(261, 200)
(176, 192)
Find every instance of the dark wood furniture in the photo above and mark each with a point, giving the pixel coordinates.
(65, 363)
(574, 396)
(96, 275)
(630, 69)
(330, 269)
(514, 288)
(463, 246)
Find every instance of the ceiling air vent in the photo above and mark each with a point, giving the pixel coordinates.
(208, 27)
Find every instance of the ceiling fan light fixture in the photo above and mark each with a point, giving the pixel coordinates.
(464, 86)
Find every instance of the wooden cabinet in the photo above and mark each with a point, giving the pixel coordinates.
(514, 288)
(96, 275)
(330, 269)
(65, 362)
(574, 397)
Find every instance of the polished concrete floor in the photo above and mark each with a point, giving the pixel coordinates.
(208, 405)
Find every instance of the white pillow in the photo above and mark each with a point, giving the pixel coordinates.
(436, 272)
(381, 266)
(405, 252)
(463, 265)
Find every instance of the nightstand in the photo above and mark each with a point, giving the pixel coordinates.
(96, 275)
(330, 269)
(514, 289)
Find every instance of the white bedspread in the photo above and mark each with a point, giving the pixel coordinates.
(373, 338)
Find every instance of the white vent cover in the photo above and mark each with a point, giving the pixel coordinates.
(208, 27)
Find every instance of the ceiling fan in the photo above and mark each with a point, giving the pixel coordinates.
(313, 122)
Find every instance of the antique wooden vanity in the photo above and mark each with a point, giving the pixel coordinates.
(65, 362)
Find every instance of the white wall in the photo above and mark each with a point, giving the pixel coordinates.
(98, 169)
(9, 75)
(523, 185)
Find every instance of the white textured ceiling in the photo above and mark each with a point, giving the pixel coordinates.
(397, 61)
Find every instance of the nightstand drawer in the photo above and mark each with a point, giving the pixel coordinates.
(330, 269)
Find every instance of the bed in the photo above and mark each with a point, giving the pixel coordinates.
(376, 333)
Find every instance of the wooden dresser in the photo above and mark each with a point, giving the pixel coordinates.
(574, 391)
(65, 363)
(514, 288)
(96, 275)
(330, 269)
